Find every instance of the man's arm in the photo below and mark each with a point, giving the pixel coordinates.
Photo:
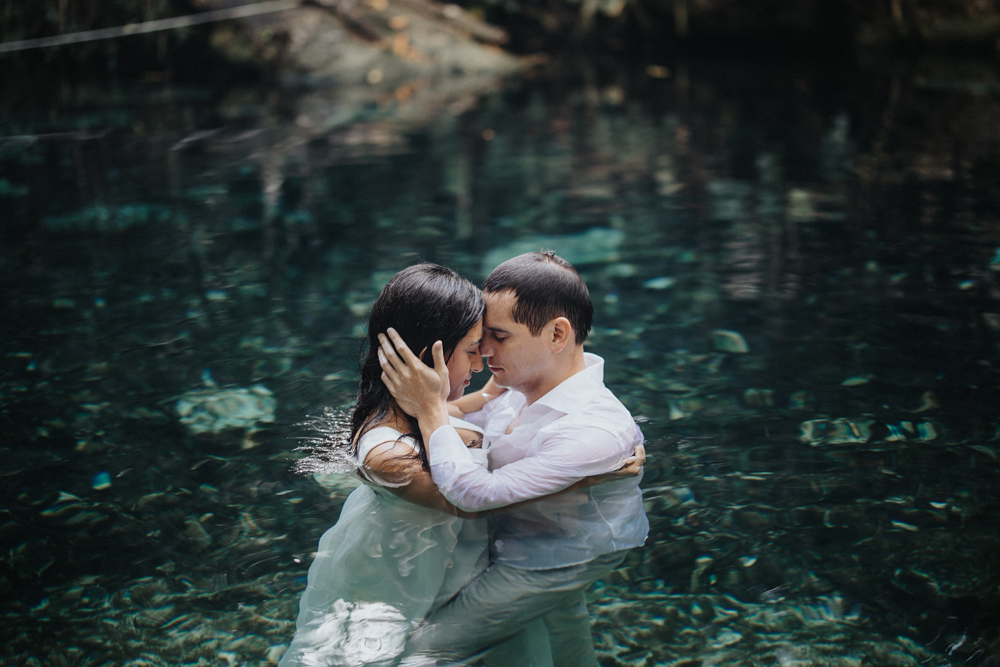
(562, 461)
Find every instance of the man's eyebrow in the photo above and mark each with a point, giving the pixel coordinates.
(496, 330)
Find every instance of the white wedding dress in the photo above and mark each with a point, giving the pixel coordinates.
(380, 570)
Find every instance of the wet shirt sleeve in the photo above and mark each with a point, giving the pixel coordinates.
(559, 462)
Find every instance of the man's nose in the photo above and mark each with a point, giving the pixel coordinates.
(485, 349)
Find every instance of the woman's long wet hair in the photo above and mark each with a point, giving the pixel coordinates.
(424, 303)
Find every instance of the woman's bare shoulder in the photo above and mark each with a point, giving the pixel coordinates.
(393, 462)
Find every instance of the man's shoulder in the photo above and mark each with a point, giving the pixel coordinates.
(605, 402)
(604, 411)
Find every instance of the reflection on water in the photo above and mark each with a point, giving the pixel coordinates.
(797, 294)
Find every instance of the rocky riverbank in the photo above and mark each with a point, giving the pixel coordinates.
(412, 58)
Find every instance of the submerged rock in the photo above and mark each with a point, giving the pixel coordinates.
(836, 431)
(729, 341)
(800, 400)
(759, 398)
(663, 282)
(726, 637)
(595, 246)
(215, 410)
(101, 481)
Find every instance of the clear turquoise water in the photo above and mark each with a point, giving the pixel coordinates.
(828, 496)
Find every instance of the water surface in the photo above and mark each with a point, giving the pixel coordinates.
(795, 274)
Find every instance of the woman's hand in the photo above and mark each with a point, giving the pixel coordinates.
(633, 464)
(631, 468)
(418, 389)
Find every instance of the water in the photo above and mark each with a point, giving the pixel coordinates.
(828, 496)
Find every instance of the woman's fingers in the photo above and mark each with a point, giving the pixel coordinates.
(401, 347)
(632, 466)
(640, 454)
(630, 469)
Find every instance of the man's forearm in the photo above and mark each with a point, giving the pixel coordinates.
(472, 488)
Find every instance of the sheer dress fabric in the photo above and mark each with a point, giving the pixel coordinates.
(379, 571)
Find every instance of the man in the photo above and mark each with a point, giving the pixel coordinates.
(557, 425)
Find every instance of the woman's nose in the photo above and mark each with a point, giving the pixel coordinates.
(477, 364)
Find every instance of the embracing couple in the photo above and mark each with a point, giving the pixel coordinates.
(484, 517)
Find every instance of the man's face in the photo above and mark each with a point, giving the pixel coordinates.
(517, 359)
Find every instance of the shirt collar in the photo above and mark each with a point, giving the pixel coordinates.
(576, 391)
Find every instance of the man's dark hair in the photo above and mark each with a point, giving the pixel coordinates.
(546, 287)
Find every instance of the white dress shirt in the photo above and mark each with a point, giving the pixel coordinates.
(577, 429)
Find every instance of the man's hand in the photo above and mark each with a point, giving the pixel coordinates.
(418, 389)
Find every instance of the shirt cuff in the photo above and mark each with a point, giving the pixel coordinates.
(445, 452)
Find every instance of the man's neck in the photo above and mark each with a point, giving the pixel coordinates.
(571, 367)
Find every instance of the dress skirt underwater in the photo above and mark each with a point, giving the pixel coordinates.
(379, 571)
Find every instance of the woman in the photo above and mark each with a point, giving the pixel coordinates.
(400, 549)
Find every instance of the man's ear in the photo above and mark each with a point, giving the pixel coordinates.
(562, 334)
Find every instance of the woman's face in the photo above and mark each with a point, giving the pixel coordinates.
(465, 360)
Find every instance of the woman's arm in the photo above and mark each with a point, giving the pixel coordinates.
(401, 471)
(475, 401)
(631, 468)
